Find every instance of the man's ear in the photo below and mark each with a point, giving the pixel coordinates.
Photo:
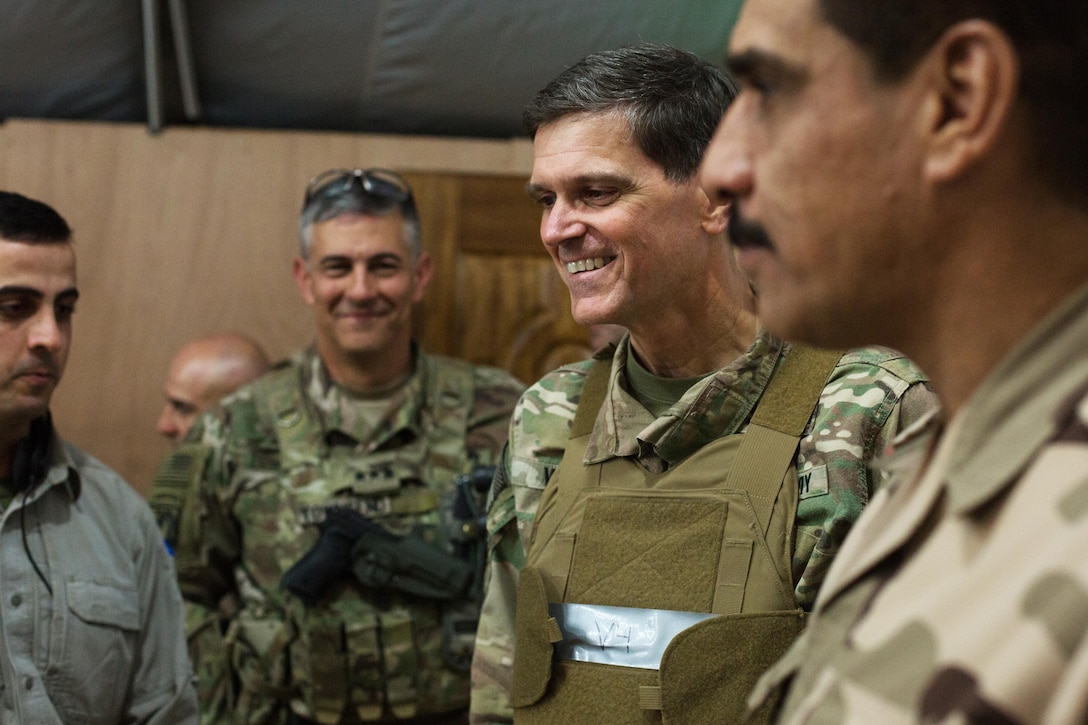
(301, 272)
(716, 213)
(424, 271)
(974, 73)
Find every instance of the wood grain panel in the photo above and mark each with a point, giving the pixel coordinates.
(497, 216)
(518, 316)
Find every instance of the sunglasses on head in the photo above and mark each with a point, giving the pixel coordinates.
(380, 183)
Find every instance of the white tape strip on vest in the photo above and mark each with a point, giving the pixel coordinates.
(622, 636)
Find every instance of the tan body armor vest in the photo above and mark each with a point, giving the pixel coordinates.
(712, 534)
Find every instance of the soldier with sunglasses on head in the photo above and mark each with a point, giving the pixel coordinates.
(334, 499)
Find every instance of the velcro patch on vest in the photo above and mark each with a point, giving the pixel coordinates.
(812, 482)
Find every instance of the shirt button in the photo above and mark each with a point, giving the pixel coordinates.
(16, 599)
(29, 682)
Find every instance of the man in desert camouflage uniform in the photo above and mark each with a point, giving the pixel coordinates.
(915, 173)
(628, 499)
(322, 497)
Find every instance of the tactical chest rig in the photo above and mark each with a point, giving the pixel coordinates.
(620, 558)
(378, 650)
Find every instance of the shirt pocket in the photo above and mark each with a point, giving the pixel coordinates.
(98, 639)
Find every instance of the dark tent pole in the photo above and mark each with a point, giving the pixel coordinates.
(153, 62)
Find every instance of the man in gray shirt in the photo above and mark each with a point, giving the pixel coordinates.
(90, 614)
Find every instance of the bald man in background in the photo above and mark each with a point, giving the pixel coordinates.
(202, 372)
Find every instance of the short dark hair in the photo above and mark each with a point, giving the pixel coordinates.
(672, 99)
(1051, 37)
(28, 220)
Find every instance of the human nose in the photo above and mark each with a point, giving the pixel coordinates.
(46, 332)
(168, 424)
(359, 286)
(726, 171)
(560, 222)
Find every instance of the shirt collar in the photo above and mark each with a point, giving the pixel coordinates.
(61, 471)
(342, 411)
(719, 404)
(1020, 405)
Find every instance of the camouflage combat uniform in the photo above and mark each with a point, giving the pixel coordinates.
(962, 594)
(869, 396)
(242, 500)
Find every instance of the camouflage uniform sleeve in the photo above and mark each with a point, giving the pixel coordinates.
(539, 428)
(872, 394)
(187, 496)
(493, 658)
(204, 637)
(497, 394)
(916, 403)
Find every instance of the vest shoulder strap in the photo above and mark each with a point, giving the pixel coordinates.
(769, 446)
(593, 394)
(793, 392)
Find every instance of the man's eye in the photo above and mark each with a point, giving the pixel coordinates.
(385, 269)
(335, 270)
(761, 87)
(764, 86)
(544, 200)
(183, 408)
(598, 197)
(66, 310)
(15, 309)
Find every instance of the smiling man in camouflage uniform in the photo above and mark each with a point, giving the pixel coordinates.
(696, 479)
(317, 510)
(915, 173)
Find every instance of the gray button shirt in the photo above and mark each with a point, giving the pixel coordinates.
(107, 645)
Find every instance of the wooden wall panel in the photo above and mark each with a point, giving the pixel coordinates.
(497, 217)
(518, 316)
(193, 231)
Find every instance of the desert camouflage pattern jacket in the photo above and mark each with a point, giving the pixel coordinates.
(246, 497)
(962, 593)
(870, 396)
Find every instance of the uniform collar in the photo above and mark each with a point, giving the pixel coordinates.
(719, 404)
(368, 419)
(1022, 404)
(60, 473)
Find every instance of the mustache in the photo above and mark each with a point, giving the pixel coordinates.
(38, 364)
(745, 233)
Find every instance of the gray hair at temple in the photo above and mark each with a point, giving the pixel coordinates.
(672, 100)
(351, 198)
